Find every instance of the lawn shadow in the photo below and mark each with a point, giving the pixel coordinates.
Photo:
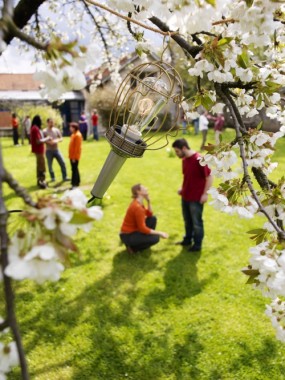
(263, 356)
(180, 279)
(57, 317)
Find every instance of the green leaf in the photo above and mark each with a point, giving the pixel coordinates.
(207, 102)
(249, 3)
(252, 280)
(224, 41)
(256, 231)
(139, 51)
(259, 126)
(198, 101)
(243, 60)
(250, 271)
(211, 2)
(258, 100)
(80, 218)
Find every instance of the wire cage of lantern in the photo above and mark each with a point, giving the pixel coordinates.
(146, 97)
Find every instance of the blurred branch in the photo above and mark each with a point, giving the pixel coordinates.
(8, 291)
(19, 190)
(24, 10)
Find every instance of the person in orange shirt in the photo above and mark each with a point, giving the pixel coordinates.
(15, 127)
(75, 153)
(138, 228)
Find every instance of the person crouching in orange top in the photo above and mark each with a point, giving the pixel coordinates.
(138, 228)
(75, 153)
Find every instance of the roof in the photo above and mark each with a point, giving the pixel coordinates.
(36, 95)
(18, 82)
(25, 87)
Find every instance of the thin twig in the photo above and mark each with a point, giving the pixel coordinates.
(99, 30)
(128, 19)
(225, 21)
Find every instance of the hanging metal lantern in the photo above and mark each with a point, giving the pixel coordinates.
(143, 103)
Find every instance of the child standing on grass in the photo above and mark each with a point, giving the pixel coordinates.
(75, 153)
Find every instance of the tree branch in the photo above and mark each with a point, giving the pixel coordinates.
(4, 325)
(19, 190)
(225, 96)
(224, 91)
(192, 50)
(128, 19)
(24, 10)
(8, 291)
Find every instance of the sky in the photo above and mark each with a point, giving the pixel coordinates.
(12, 61)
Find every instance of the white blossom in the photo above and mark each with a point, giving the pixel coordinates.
(8, 357)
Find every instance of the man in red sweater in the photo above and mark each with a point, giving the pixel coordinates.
(197, 180)
(138, 228)
(95, 125)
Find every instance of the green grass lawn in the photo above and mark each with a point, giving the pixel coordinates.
(162, 314)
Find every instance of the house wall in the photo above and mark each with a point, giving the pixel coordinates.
(5, 119)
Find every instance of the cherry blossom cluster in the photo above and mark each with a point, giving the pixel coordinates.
(8, 358)
(8, 355)
(268, 259)
(260, 147)
(276, 311)
(38, 251)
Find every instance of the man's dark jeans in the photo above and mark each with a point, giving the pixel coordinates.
(50, 155)
(193, 222)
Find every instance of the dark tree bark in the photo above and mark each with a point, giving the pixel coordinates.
(24, 10)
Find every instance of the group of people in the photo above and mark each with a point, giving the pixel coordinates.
(27, 124)
(45, 143)
(138, 227)
(202, 124)
(138, 230)
(83, 125)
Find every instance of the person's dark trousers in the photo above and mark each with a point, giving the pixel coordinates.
(193, 222)
(15, 136)
(139, 241)
(50, 155)
(75, 176)
(84, 135)
(41, 170)
(196, 126)
(95, 132)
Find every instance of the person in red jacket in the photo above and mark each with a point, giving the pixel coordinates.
(38, 147)
(138, 228)
(75, 153)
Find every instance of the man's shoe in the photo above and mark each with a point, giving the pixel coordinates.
(52, 180)
(66, 179)
(194, 249)
(42, 185)
(183, 243)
